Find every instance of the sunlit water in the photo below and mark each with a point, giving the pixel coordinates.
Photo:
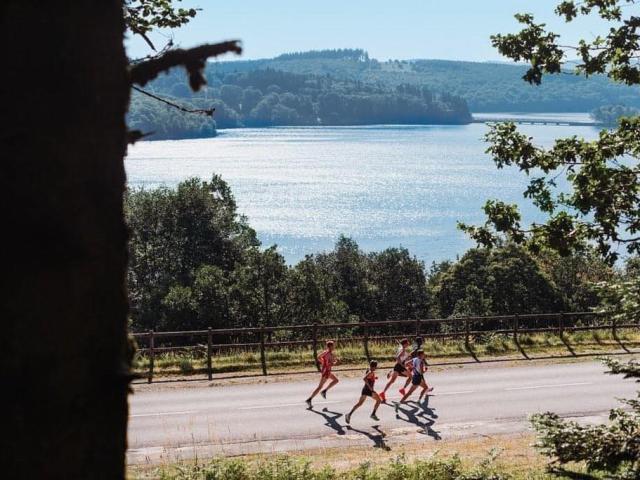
(382, 185)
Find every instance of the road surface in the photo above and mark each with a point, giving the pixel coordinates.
(479, 400)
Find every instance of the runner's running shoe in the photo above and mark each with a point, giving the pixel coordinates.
(308, 402)
(375, 417)
(324, 394)
(383, 396)
(402, 391)
(347, 418)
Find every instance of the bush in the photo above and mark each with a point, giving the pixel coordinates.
(613, 448)
(286, 468)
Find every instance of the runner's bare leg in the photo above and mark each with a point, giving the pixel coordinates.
(408, 394)
(378, 400)
(334, 380)
(323, 380)
(393, 378)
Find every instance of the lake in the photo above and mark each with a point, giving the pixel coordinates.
(384, 186)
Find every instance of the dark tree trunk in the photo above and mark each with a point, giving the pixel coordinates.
(63, 96)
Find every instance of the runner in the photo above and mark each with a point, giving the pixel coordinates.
(367, 391)
(399, 368)
(417, 379)
(417, 345)
(327, 360)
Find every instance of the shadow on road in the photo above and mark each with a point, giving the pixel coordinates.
(568, 345)
(377, 438)
(331, 419)
(520, 349)
(471, 351)
(421, 415)
(617, 339)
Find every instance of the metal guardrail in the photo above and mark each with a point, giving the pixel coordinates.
(461, 327)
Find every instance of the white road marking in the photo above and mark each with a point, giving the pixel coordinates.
(162, 414)
(287, 405)
(256, 407)
(550, 386)
(439, 394)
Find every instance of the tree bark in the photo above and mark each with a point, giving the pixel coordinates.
(64, 91)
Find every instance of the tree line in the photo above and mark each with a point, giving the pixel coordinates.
(195, 262)
(485, 86)
(610, 115)
(264, 98)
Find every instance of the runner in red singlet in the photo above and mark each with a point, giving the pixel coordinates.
(327, 360)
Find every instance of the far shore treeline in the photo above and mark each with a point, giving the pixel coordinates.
(347, 87)
(196, 263)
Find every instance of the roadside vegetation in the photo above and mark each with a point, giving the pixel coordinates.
(192, 360)
(498, 458)
(286, 468)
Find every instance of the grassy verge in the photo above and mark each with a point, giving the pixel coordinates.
(352, 354)
(500, 458)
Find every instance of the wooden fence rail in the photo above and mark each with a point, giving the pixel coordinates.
(512, 325)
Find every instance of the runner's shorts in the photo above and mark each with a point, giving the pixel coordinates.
(400, 369)
(417, 379)
(367, 391)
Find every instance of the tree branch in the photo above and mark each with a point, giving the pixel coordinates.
(193, 60)
(144, 37)
(204, 111)
(168, 46)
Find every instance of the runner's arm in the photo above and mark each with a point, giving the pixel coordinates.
(399, 357)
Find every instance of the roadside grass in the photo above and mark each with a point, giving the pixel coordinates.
(351, 354)
(480, 458)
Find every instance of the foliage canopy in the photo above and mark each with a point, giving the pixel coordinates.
(603, 204)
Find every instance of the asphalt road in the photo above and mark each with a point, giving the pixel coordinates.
(252, 418)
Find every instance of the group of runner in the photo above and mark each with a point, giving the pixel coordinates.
(410, 363)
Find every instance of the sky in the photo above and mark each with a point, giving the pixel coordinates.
(400, 29)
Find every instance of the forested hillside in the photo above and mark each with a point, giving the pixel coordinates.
(486, 87)
(347, 87)
(269, 97)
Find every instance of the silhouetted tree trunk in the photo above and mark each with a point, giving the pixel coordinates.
(63, 96)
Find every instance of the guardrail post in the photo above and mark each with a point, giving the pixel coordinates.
(209, 369)
(561, 326)
(614, 329)
(263, 357)
(366, 340)
(152, 355)
(516, 327)
(417, 327)
(467, 335)
(314, 332)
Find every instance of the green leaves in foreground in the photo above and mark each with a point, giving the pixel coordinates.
(142, 16)
(614, 53)
(613, 447)
(602, 206)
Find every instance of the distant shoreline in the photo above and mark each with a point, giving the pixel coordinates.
(582, 119)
